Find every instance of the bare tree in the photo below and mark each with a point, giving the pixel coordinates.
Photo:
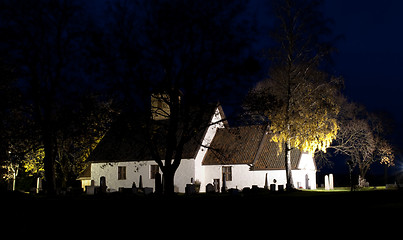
(188, 55)
(361, 137)
(43, 42)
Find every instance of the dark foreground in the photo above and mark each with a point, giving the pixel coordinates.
(300, 211)
(358, 201)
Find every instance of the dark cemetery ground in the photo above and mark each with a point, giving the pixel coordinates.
(308, 212)
(260, 200)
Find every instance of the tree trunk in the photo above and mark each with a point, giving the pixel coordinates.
(49, 163)
(288, 172)
(168, 181)
(15, 173)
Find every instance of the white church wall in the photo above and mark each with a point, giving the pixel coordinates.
(134, 169)
(242, 177)
(304, 179)
(200, 171)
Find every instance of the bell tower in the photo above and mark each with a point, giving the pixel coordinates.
(160, 106)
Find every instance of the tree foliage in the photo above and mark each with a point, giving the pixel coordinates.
(298, 96)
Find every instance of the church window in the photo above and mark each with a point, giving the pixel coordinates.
(228, 173)
(122, 173)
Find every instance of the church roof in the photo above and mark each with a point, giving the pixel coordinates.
(125, 140)
(248, 145)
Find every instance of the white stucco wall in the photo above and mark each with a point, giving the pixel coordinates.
(133, 171)
(216, 123)
(242, 177)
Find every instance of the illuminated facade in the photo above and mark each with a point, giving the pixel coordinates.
(245, 154)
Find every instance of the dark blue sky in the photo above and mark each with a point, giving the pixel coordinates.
(370, 55)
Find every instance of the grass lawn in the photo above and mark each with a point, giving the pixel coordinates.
(348, 189)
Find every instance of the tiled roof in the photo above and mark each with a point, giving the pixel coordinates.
(271, 158)
(234, 145)
(125, 139)
(248, 145)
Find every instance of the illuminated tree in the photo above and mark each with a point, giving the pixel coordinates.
(298, 97)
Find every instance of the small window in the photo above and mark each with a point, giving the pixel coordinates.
(228, 173)
(153, 170)
(122, 173)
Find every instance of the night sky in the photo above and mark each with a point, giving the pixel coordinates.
(370, 49)
(369, 57)
(370, 52)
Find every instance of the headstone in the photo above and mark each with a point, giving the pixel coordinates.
(90, 190)
(266, 182)
(102, 183)
(307, 186)
(190, 189)
(134, 188)
(233, 191)
(362, 182)
(148, 190)
(327, 182)
(272, 187)
(331, 184)
(281, 188)
(141, 182)
(197, 184)
(216, 184)
(210, 188)
(224, 183)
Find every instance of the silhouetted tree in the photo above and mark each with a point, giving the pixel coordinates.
(45, 44)
(189, 54)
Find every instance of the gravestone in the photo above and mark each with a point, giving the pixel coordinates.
(327, 182)
(307, 186)
(266, 182)
(148, 190)
(216, 184)
(134, 188)
(90, 190)
(190, 189)
(102, 183)
(331, 184)
(141, 182)
(273, 187)
(210, 188)
(224, 183)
